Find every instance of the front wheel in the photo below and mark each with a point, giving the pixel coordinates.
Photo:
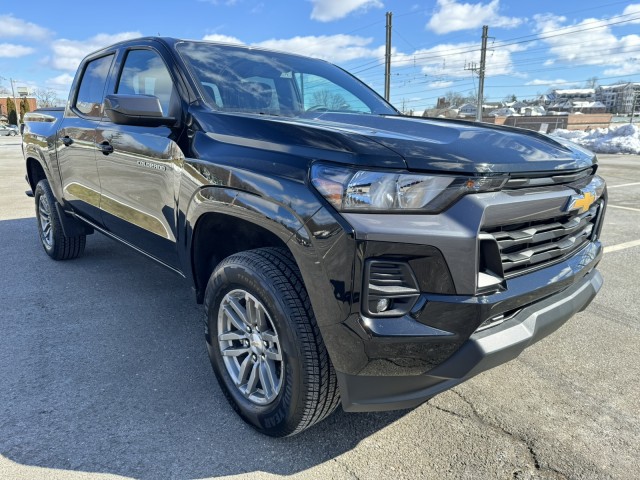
(264, 343)
(55, 243)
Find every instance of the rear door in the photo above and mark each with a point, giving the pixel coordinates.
(76, 140)
(140, 166)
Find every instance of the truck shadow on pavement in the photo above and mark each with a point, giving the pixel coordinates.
(103, 368)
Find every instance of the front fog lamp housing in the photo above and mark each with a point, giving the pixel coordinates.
(367, 190)
(390, 288)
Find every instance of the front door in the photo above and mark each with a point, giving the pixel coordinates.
(140, 166)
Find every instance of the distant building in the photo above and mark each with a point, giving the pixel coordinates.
(575, 94)
(571, 99)
(618, 98)
(534, 111)
(503, 112)
(468, 109)
(3, 104)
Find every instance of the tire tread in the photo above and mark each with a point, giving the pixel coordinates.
(323, 395)
(64, 248)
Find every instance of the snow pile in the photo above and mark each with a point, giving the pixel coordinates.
(615, 139)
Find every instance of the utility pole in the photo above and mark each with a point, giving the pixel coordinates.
(387, 59)
(483, 58)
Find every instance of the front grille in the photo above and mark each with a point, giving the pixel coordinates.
(543, 179)
(536, 244)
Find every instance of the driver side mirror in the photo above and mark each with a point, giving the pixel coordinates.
(140, 110)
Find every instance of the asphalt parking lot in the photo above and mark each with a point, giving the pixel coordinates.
(104, 374)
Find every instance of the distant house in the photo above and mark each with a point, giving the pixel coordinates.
(468, 110)
(561, 106)
(589, 107)
(440, 112)
(565, 100)
(534, 111)
(504, 112)
(517, 105)
(545, 100)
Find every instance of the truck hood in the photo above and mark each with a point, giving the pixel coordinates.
(423, 144)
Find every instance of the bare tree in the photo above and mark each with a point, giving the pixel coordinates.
(454, 99)
(592, 82)
(332, 101)
(46, 97)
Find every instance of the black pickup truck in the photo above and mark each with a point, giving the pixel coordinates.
(344, 253)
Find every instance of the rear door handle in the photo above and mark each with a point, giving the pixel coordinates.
(67, 140)
(106, 148)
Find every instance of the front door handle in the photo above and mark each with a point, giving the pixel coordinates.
(106, 148)
(67, 140)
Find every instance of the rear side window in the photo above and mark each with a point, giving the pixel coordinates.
(145, 73)
(91, 91)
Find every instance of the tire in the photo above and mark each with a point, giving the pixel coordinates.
(284, 344)
(12, 133)
(52, 237)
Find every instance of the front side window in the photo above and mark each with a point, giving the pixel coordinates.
(91, 90)
(145, 73)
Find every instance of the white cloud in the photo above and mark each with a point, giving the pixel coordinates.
(632, 10)
(217, 37)
(329, 10)
(453, 60)
(335, 48)
(11, 26)
(539, 81)
(440, 84)
(67, 54)
(451, 16)
(61, 81)
(590, 42)
(10, 50)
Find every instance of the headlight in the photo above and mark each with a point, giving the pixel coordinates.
(361, 190)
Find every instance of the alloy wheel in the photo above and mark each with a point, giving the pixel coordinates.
(250, 347)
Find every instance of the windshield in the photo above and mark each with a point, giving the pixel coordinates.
(240, 79)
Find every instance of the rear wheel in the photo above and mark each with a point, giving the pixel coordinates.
(57, 245)
(264, 343)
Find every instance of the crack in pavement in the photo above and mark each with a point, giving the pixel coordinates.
(480, 419)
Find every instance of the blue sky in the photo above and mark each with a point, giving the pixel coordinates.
(534, 45)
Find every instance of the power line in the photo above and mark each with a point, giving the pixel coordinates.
(572, 29)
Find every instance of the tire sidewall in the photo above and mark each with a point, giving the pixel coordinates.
(284, 410)
(42, 190)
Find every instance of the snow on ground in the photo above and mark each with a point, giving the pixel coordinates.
(615, 139)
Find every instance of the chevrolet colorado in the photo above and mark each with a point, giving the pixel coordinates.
(344, 253)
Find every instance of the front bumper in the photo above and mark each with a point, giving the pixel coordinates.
(483, 350)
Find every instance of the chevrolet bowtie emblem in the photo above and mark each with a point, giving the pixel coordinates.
(581, 202)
